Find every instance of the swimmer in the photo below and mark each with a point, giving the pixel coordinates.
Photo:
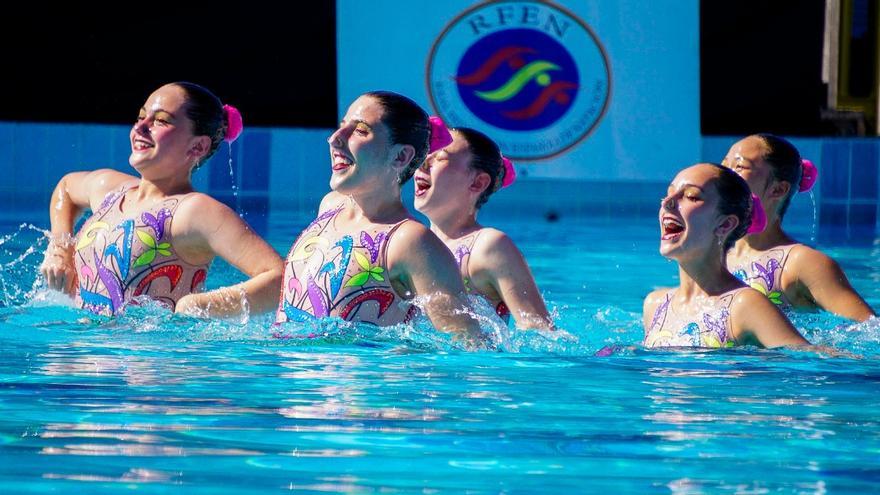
(152, 234)
(450, 188)
(789, 273)
(364, 257)
(706, 209)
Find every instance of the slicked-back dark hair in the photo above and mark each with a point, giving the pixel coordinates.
(206, 112)
(407, 124)
(485, 157)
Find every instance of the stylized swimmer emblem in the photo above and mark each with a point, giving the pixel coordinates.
(535, 70)
(530, 71)
(515, 86)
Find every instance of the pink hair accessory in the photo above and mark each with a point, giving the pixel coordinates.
(509, 172)
(234, 124)
(440, 136)
(809, 177)
(759, 217)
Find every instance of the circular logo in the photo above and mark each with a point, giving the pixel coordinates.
(530, 74)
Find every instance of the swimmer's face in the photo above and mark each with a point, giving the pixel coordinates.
(360, 148)
(746, 158)
(446, 182)
(689, 219)
(162, 140)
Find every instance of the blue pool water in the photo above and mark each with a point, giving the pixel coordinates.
(155, 403)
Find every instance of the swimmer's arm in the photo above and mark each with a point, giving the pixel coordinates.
(755, 318)
(499, 262)
(209, 228)
(825, 283)
(74, 193)
(421, 262)
(77, 191)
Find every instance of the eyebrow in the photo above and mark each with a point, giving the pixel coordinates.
(357, 121)
(684, 186)
(162, 110)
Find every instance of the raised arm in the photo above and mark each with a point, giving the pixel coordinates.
(822, 280)
(498, 263)
(754, 319)
(74, 193)
(420, 261)
(208, 228)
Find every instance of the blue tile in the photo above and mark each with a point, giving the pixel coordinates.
(253, 165)
(29, 159)
(255, 211)
(862, 215)
(97, 148)
(7, 136)
(864, 170)
(60, 151)
(834, 169)
(832, 216)
(120, 149)
(218, 171)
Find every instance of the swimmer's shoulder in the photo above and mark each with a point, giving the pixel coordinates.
(200, 212)
(809, 265)
(414, 244)
(651, 302)
(101, 182)
(656, 296)
(748, 305)
(331, 200)
(493, 249)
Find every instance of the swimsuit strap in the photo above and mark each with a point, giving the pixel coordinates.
(383, 258)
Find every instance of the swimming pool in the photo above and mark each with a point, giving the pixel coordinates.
(159, 404)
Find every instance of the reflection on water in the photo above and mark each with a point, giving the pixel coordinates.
(150, 401)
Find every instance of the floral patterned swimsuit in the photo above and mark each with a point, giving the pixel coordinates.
(120, 256)
(330, 274)
(707, 326)
(764, 274)
(462, 252)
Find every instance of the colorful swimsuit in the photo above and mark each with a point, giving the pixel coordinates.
(120, 256)
(462, 252)
(695, 328)
(329, 274)
(764, 274)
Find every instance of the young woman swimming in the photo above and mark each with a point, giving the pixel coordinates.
(364, 257)
(152, 234)
(450, 188)
(789, 273)
(706, 209)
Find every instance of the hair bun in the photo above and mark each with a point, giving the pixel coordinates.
(759, 216)
(509, 172)
(809, 176)
(440, 136)
(234, 124)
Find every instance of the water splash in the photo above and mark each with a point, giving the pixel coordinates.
(20, 254)
(815, 228)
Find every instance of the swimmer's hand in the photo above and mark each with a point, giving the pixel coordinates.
(58, 268)
(187, 305)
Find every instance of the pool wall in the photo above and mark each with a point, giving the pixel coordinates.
(281, 170)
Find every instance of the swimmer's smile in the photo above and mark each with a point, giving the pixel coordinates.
(671, 228)
(422, 185)
(141, 144)
(341, 162)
